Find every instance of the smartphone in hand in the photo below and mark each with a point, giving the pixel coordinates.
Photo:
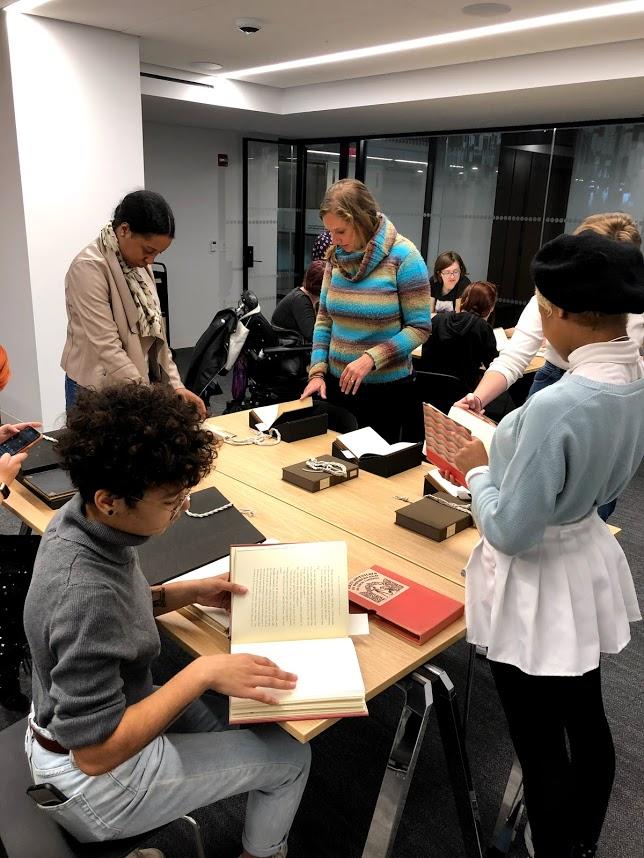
(24, 439)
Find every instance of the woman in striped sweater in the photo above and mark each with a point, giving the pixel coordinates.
(374, 311)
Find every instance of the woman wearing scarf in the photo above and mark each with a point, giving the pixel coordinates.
(374, 311)
(115, 330)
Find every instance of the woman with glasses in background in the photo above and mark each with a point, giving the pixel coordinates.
(448, 283)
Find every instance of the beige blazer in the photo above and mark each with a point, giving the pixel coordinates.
(103, 342)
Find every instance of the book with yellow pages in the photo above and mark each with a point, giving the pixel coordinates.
(296, 613)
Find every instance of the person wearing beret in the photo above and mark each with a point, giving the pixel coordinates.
(548, 588)
(528, 334)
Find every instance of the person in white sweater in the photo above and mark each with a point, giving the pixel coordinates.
(528, 334)
(548, 588)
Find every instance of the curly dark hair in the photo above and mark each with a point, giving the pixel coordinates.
(131, 437)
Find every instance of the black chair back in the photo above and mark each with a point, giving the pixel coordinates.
(437, 388)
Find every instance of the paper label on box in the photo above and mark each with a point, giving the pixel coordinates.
(451, 530)
(325, 483)
(376, 587)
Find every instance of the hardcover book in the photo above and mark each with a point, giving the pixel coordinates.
(445, 435)
(296, 613)
(405, 608)
(435, 516)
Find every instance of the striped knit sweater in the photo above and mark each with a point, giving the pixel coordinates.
(374, 301)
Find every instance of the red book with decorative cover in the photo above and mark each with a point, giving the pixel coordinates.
(407, 609)
(445, 436)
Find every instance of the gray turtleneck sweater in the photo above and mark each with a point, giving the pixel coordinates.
(89, 622)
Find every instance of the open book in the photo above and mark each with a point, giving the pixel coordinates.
(296, 613)
(361, 442)
(445, 435)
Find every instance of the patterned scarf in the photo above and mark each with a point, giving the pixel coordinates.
(149, 320)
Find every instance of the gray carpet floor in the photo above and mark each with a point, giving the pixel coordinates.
(349, 758)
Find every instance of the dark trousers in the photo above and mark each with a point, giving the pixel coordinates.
(566, 791)
(381, 406)
(72, 389)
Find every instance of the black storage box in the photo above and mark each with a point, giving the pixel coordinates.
(296, 425)
(384, 466)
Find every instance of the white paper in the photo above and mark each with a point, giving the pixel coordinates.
(501, 338)
(367, 440)
(221, 615)
(445, 486)
(217, 567)
(324, 668)
(358, 624)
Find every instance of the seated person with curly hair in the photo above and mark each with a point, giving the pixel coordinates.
(129, 756)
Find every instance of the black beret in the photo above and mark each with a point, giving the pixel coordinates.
(585, 272)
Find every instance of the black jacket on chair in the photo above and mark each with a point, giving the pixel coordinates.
(459, 344)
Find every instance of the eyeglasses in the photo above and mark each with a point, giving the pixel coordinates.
(173, 510)
(451, 274)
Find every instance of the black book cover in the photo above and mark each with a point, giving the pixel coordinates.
(192, 542)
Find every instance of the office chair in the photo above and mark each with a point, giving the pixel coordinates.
(26, 831)
(437, 388)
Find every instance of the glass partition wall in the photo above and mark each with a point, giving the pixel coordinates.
(494, 196)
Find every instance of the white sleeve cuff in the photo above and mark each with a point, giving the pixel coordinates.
(480, 469)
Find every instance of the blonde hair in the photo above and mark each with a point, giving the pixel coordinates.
(352, 201)
(616, 225)
(588, 319)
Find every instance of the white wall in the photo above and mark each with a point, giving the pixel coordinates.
(181, 164)
(17, 332)
(78, 131)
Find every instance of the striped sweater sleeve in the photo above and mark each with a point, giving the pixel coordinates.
(322, 331)
(413, 295)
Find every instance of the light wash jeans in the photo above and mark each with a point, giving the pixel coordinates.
(196, 762)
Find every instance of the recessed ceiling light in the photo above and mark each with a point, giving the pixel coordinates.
(486, 10)
(207, 67)
(556, 19)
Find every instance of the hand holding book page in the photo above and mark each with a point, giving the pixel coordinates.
(296, 613)
(446, 435)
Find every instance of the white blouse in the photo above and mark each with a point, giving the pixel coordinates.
(528, 337)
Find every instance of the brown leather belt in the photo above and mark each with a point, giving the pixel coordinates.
(48, 744)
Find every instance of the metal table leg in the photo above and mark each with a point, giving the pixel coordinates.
(510, 814)
(423, 689)
(458, 765)
(410, 732)
(471, 662)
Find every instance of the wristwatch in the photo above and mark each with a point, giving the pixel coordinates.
(5, 491)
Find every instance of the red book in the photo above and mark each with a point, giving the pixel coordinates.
(405, 608)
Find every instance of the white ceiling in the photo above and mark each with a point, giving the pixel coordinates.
(174, 33)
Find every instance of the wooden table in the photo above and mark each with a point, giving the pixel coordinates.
(365, 507)
(383, 658)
